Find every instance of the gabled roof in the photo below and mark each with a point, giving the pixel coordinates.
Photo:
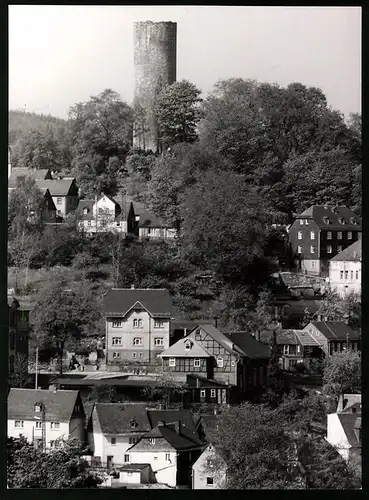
(133, 467)
(217, 335)
(351, 422)
(194, 380)
(116, 418)
(157, 301)
(347, 401)
(306, 339)
(37, 175)
(184, 416)
(179, 439)
(334, 330)
(249, 346)
(103, 195)
(350, 254)
(59, 404)
(57, 187)
(333, 214)
(150, 221)
(179, 350)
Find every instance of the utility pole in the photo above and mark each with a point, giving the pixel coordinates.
(96, 213)
(347, 341)
(36, 376)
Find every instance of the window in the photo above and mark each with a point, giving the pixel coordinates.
(301, 222)
(137, 341)
(133, 424)
(349, 235)
(298, 349)
(339, 235)
(113, 441)
(286, 349)
(299, 235)
(85, 211)
(213, 393)
(152, 441)
(197, 336)
(133, 440)
(167, 456)
(312, 249)
(52, 444)
(357, 275)
(37, 407)
(117, 324)
(220, 362)
(116, 355)
(137, 323)
(196, 363)
(326, 220)
(118, 223)
(54, 425)
(313, 264)
(306, 222)
(117, 341)
(341, 275)
(158, 323)
(38, 425)
(346, 275)
(172, 362)
(140, 355)
(134, 355)
(89, 223)
(329, 235)
(312, 235)
(126, 458)
(158, 341)
(329, 248)
(59, 212)
(188, 346)
(352, 275)
(202, 393)
(339, 248)
(58, 201)
(299, 249)
(129, 473)
(77, 408)
(209, 481)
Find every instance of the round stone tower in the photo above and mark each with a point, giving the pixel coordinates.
(155, 61)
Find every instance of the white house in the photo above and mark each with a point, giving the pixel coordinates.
(170, 448)
(209, 471)
(115, 427)
(135, 474)
(106, 214)
(345, 270)
(33, 413)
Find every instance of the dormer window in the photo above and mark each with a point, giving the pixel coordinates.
(133, 424)
(353, 220)
(341, 220)
(37, 407)
(85, 211)
(326, 220)
(188, 345)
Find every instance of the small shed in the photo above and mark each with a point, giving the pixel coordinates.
(135, 473)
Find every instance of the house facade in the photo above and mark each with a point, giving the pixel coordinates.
(209, 471)
(137, 326)
(105, 214)
(334, 336)
(43, 416)
(321, 232)
(345, 270)
(64, 193)
(19, 330)
(113, 429)
(344, 433)
(206, 353)
(150, 227)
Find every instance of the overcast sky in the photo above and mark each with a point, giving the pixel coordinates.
(60, 55)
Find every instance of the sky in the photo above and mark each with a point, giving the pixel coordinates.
(60, 55)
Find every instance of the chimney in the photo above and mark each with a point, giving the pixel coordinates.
(132, 287)
(216, 322)
(197, 383)
(340, 403)
(177, 426)
(161, 423)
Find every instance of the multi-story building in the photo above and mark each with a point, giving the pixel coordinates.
(44, 417)
(321, 232)
(137, 325)
(105, 214)
(233, 361)
(19, 330)
(345, 271)
(64, 192)
(334, 336)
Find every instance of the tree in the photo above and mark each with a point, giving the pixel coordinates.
(20, 376)
(342, 373)
(138, 166)
(164, 387)
(177, 112)
(61, 315)
(103, 394)
(331, 307)
(61, 468)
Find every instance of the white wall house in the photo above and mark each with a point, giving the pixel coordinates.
(60, 412)
(209, 471)
(161, 456)
(344, 433)
(345, 270)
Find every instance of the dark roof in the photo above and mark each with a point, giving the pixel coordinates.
(149, 220)
(209, 423)
(37, 175)
(217, 335)
(181, 440)
(116, 418)
(248, 344)
(283, 337)
(194, 380)
(335, 330)
(157, 301)
(115, 382)
(350, 254)
(59, 405)
(184, 416)
(318, 212)
(350, 422)
(57, 187)
(134, 467)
